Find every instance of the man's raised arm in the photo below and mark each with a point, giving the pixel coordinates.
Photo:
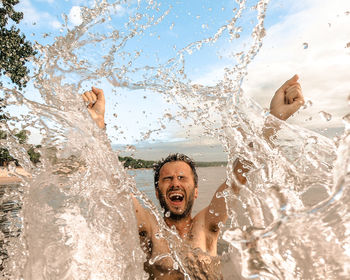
(286, 101)
(96, 105)
(96, 102)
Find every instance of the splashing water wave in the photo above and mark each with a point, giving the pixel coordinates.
(76, 219)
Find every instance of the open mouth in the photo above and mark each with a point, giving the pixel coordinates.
(176, 197)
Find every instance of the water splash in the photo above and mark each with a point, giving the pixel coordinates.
(77, 204)
(325, 116)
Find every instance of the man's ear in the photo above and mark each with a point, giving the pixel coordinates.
(196, 192)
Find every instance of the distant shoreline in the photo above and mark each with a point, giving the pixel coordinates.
(135, 163)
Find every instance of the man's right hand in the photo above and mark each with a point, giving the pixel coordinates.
(96, 105)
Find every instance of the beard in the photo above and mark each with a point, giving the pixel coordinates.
(175, 216)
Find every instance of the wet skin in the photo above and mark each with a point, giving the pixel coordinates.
(177, 190)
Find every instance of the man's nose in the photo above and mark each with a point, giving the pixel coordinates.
(175, 181)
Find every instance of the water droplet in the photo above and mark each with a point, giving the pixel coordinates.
(176, 266)
(219, 194)
(211, 211)
(189, 51)
(130, 148)
(311, 140)
(346, 120)
(167, 214)
(11, 167)
(305, 46)
(171, 26)
(232, 235)
(326, 116)
(348, 45)
(308, 103)
(308, 119)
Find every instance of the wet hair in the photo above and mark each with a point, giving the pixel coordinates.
(171, 158)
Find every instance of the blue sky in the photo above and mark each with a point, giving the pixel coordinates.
(323, 66)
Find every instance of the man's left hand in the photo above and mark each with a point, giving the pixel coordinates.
(287, 99)
(96, 105)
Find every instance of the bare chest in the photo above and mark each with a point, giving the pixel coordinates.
(168, 257)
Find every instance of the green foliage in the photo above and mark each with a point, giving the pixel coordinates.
(132, 163)
(33, 155)
(14, 49)
(5, 157)
(3, 135)
(22, 137)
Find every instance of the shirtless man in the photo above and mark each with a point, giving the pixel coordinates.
(176, 187)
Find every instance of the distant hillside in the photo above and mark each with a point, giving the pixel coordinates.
(132, 163)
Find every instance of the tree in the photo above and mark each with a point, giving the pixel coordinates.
(22, 137)
(14, 49)
(5, 156)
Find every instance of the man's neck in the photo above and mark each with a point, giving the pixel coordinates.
(183, 226)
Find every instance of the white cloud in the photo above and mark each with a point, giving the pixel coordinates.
(74, 15)
(322, 67)
(32, 16)
(55, 24)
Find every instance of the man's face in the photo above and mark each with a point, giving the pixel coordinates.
(176, 190)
